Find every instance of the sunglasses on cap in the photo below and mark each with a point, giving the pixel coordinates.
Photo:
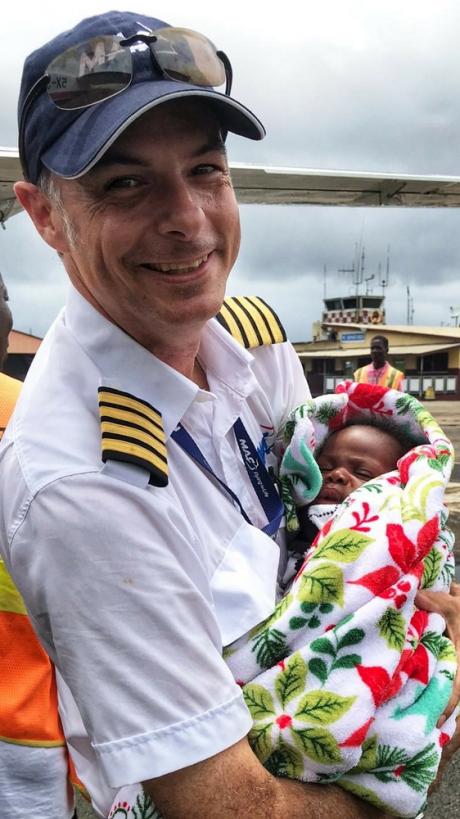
(102, 67)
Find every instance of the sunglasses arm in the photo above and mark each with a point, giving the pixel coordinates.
(228, 71)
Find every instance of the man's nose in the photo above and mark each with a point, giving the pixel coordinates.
(180, 212)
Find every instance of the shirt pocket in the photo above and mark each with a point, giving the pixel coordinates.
(243, 586)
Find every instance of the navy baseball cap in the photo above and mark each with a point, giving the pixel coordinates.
(70, 142)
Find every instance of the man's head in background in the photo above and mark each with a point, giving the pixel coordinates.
(379, 351)
(6, 323)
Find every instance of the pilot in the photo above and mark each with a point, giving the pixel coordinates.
(139, 515)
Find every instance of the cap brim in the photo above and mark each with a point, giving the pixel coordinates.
(96, 129)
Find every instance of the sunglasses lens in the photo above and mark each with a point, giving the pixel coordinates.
(89, 72)
(187, 56)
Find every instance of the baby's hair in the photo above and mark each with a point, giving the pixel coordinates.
(404, 436)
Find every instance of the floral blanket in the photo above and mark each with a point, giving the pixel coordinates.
(346, 680)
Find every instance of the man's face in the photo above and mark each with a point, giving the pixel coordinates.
(156, 225)
(6, 323)
(378, 352)
(353, 456)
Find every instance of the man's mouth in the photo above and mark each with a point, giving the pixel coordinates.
(171, 267)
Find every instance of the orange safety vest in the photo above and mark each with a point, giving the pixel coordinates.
(390, 377)
(28, 694)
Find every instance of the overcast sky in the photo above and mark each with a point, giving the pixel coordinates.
(369, 85)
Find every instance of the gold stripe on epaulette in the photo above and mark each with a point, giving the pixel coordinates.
(132, 431)
(251, 321)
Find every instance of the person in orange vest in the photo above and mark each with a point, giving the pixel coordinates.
(380, 371)
(34, 764)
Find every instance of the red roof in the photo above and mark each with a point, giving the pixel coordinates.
(23, 343)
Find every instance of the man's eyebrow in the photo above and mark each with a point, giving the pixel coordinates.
(125, 158)
(216, 144)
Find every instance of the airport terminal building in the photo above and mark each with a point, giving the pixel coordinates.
(429, 356)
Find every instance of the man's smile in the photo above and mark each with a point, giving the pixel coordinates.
(171, 267)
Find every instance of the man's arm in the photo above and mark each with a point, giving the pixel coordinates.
(235, 784)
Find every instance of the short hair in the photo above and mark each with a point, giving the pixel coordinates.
(381, 338)
(405, 437)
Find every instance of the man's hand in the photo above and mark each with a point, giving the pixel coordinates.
(449, 606)
(447, 753)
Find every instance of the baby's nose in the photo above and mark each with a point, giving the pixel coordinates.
(338, 475)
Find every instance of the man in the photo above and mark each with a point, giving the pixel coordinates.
(139, 563)
(379, 371)
(33, 761)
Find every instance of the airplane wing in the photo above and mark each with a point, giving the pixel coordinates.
(258, 184)
(10, 172)
(306, 186)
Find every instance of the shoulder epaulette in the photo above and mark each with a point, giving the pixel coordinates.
(132, 431)
(251, 321)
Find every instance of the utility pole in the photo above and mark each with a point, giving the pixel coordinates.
(410, 307)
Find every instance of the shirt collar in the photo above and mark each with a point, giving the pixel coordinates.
(124, 364)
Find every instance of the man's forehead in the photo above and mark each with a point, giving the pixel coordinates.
(193, 124)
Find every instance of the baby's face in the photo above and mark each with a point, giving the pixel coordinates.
(353, 456)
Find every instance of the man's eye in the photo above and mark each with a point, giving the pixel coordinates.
(122, 182)
(206, 168)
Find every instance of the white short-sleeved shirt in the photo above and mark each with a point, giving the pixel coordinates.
(134, 589)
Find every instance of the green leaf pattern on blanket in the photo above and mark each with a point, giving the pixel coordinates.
(318, 744)
(285, 761)
(321, 584)
(365, 793)
(143, 808)
(392, 627)
(259, 701)
(417, 771)
(291, 681)
(439, 646)
(391, 764)
(344, 545)
(431, 567)
(300, 719)
(270, 647)
(414, 506)
(368, 759)
(323, 707)
(332, 646)
(326, 411)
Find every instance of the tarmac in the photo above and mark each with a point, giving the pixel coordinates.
(445, 803)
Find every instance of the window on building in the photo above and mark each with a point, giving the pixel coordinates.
(433, 363)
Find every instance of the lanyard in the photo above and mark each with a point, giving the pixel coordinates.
(258, 474)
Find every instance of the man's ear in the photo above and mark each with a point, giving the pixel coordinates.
(44, 214)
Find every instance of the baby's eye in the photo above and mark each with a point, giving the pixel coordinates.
(364, 474)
